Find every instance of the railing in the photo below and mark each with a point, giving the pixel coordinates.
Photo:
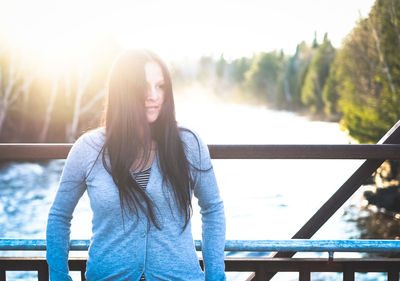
(258, 265)
(263, 268)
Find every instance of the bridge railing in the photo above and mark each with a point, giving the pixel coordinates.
(260, 266)
(265, 268)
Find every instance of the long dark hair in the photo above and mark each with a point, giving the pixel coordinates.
(129, 137)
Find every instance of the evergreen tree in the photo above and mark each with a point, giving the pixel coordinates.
(311, 92)
(315, 41)
(294, 73)
(238, 68)
(330, 92)
(370, 67)
(206, 69)
(263, 75)
(220, 67)
(282, 98)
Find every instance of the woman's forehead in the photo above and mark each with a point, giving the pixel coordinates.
(153, 72)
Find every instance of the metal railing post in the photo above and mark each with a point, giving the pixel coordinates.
(43, 271)
(348, 274)
(2, 274)
(393, 275)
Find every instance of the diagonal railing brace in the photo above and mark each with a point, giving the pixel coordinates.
(339, 197)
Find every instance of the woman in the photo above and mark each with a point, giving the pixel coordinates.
(140, 171)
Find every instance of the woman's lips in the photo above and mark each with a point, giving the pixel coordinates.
(152, 107)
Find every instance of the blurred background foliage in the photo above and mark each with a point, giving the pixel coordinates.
(356, 85)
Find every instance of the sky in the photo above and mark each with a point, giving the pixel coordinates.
(176, 29)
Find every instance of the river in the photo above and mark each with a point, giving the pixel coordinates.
(264, 199)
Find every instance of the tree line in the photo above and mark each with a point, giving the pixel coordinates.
(357, 84)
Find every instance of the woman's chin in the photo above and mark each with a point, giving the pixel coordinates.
(151, 118)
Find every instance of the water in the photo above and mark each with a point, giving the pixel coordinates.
(264, 199)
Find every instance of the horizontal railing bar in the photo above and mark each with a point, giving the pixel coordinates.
(313, 264)
(23, 151)
(298, 245)
(243, 264)
(306, 151)
(34, 151)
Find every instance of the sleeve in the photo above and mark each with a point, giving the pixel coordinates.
(71, 187)
(212, 214)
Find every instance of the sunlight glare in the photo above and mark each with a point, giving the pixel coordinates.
(61, 31)
(53, 34)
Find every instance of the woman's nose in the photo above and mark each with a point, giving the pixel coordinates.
(152, 93)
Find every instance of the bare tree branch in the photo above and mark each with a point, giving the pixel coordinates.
(67, 84)
(84, 76)
(49, 111)
(382, 58)
(12, 79)
(9, 91)
(93, 101)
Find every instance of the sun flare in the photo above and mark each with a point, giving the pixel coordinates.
(51, 34)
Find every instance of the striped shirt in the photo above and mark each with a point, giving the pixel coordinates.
(142, 177)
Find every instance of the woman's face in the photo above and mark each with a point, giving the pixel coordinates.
(155, 90)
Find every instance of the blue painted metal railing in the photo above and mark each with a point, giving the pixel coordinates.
(258, 265)
(296, 245)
